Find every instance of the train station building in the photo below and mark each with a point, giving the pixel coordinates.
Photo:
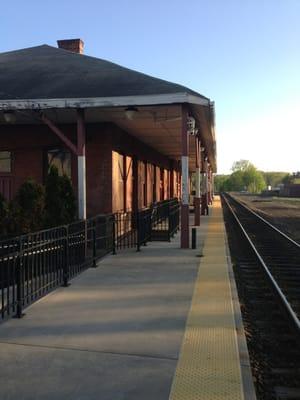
(126, 140)
(161, 323)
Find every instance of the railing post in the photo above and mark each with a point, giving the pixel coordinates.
(138, 245)
(67, 259)
(169, 222)
(114, 235)
(94, 244)
(194, 238)
(19, 313)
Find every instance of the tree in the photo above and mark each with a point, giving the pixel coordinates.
(273, 179)
(70, 206)
(241, 165)
(220, 183)
(244, 176)
(3, 216)
(26, 211)
(60, 202)
(236, 182)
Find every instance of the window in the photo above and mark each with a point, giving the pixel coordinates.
(118, 183)
(144, 169)
(162, 184)
(5, 161)
(61, 159)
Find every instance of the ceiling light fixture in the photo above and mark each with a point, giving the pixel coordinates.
(9, 116)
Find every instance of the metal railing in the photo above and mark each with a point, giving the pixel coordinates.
(165, 220)
(32, 265)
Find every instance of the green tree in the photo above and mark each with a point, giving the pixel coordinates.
(70, 205)
(273, 179)
(241, 165)
(220, 183)
(288, 179)
(26, 211)
(60, 202)
(3, 216)
(236, 181)
(245, 176)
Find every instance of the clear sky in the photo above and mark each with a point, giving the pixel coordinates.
(243, 54)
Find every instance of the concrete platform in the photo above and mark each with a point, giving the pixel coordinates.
(209, 363)
(117, 331)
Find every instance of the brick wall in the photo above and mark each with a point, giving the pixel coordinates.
(30, 143)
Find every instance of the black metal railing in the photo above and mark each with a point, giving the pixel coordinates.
(165, 219)
(32, 265)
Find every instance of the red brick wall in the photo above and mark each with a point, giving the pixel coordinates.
(98, 171)
(29, 143)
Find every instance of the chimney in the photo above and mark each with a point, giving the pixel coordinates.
(74, 45)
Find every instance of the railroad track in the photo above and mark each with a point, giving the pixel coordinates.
(278, 254)
(267, 270)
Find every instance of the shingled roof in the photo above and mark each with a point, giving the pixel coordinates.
(46, 72)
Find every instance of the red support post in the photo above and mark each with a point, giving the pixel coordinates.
(197, 198)
(171, 179)
(184, 180)
(135, 191)
(204, 202)
(81, 164)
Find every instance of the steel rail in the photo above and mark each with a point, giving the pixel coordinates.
(264, 220)
(281, 295)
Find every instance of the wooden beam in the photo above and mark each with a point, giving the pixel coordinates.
(60, 134)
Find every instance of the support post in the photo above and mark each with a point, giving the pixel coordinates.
(171, 180)
(124, 183)
(197, 198)
(19, 281)
(66, 266)
(135, 188)
(207, 182)
(184, 181)
(204, 205)
(210, 185)
(81, 164)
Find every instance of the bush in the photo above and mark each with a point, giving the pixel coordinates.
(3, 216)
(26, 211)
(60, 202)
(70, 205)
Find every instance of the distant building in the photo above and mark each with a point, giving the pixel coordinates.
(290, 190)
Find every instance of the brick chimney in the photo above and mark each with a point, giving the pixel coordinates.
(74, 45)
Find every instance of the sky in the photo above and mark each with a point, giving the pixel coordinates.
(242, 54)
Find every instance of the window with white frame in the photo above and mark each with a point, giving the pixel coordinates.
(5, 161)
(61, 159)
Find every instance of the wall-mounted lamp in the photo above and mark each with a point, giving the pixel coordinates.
(191, 123)
(9, 116)
(131, 112)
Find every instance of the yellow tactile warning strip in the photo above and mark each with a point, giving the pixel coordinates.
(208, 366)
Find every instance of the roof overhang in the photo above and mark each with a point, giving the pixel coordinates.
(31, 104)
(158, 122)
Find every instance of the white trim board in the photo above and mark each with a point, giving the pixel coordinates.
(90, 102)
